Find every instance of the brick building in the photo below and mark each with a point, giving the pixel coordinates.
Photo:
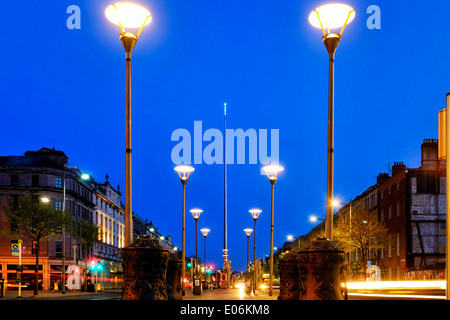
(413, 207)
(411, 202)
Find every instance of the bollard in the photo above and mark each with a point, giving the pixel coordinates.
(2, 287)
(320, 269)
(145, 266)
(289, 277)
(197, 290)
(173, 278)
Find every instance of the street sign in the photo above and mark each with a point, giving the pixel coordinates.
(15, 249)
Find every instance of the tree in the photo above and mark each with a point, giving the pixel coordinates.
(363, 231)
(86, 234)
(36, 221)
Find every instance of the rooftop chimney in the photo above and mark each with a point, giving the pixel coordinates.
(382, 178)
(429, 154)
(397, 167)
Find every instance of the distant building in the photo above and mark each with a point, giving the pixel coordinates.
(42, 174)
(412, 205)
(46, 174)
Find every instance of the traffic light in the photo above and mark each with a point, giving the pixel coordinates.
(94, 265)
(189, 265)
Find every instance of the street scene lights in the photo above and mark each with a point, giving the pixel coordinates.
(248, 232)
(184, 172)
(314, 219)
(272, 172)
(196, 214)
(328, 17)
(128, 16)
(205, 232)
(255, 214)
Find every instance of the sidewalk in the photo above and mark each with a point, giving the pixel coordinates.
(49, 295)
(231, 294)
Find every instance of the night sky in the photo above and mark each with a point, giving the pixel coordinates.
(65, 88)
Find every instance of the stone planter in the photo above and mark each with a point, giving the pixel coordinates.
(145, 265)
(320, 269)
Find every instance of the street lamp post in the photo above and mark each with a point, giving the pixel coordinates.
(196, 214)
(255, 214)
(328, 17)
(184, 172)
(205, 232)
(248, 232)
(272, 171)
(133, 16)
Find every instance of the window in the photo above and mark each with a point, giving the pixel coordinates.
(389, 249)
(398, 208)
(15, 201)
(390, 213)
(14, 179)
(58, 182)
(398, 244)
(58, 204)
(58, 249)
(382, 215)
(35, 180)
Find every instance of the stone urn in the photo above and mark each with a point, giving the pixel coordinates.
(289, 276)
(145, 264)
(320, 269)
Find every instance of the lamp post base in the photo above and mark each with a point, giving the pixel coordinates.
(321, 271)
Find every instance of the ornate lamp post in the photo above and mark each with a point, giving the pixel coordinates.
(196, 214)
(205, 232)
(128, 16)
(272, 171)
(255, 214)
(248, 232)
(328, 17)
(184, 172)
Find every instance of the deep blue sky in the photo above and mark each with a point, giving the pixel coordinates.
(66, 89)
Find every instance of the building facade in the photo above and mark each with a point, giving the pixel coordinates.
(46, 175)
(411, 203)
(413, 207)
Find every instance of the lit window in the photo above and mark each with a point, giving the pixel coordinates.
(58, 182)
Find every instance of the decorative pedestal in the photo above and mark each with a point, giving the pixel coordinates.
(145, 265)
(321, 271)
(289, 277)
(173, 278)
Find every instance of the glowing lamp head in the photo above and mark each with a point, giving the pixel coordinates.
(45, 200)
(335, 203)
(255, 213)
(184, 171)
(128, 15)
(313, 218)
(205, 231)
(272, 171)
(85, 176)
(196, 213)
(331, 16)
(248, 231)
